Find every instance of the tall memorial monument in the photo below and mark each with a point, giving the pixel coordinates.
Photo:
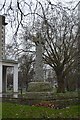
(4, 63)
(39, 73)
(39, 85)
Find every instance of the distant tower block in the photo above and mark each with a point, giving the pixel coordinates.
(2, 37)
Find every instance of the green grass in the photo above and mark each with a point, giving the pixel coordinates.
(0, 110)
(49, 96)
(10, 110)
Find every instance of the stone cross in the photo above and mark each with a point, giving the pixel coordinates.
(39, 73)
(39, 85)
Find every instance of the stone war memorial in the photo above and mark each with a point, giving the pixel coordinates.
(39, 88)
(4, 63)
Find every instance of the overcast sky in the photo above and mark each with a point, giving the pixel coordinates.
(65, 2)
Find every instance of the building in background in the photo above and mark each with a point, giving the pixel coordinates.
(5, 63)
(49, 75)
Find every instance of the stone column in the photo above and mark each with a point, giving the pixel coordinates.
(15, 79)
(0, 77)
(39, 73)
(4, 82)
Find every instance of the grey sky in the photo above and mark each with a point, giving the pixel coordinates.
(65, 3)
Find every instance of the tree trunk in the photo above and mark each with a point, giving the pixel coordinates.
(61, 85)
(67, 84)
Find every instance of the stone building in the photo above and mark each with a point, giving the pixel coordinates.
(4, 63)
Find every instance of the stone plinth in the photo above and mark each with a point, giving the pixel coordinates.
(39, 96)
(39, 91)
(39, 87)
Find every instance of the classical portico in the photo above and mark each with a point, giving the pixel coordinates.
(3, 73)
(4, 63)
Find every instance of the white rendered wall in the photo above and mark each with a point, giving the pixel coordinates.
(15, 79)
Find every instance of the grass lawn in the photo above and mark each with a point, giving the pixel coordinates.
(0, 110)
(11, 110)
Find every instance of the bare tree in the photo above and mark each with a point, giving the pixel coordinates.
(58, 28)
(26, 70)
